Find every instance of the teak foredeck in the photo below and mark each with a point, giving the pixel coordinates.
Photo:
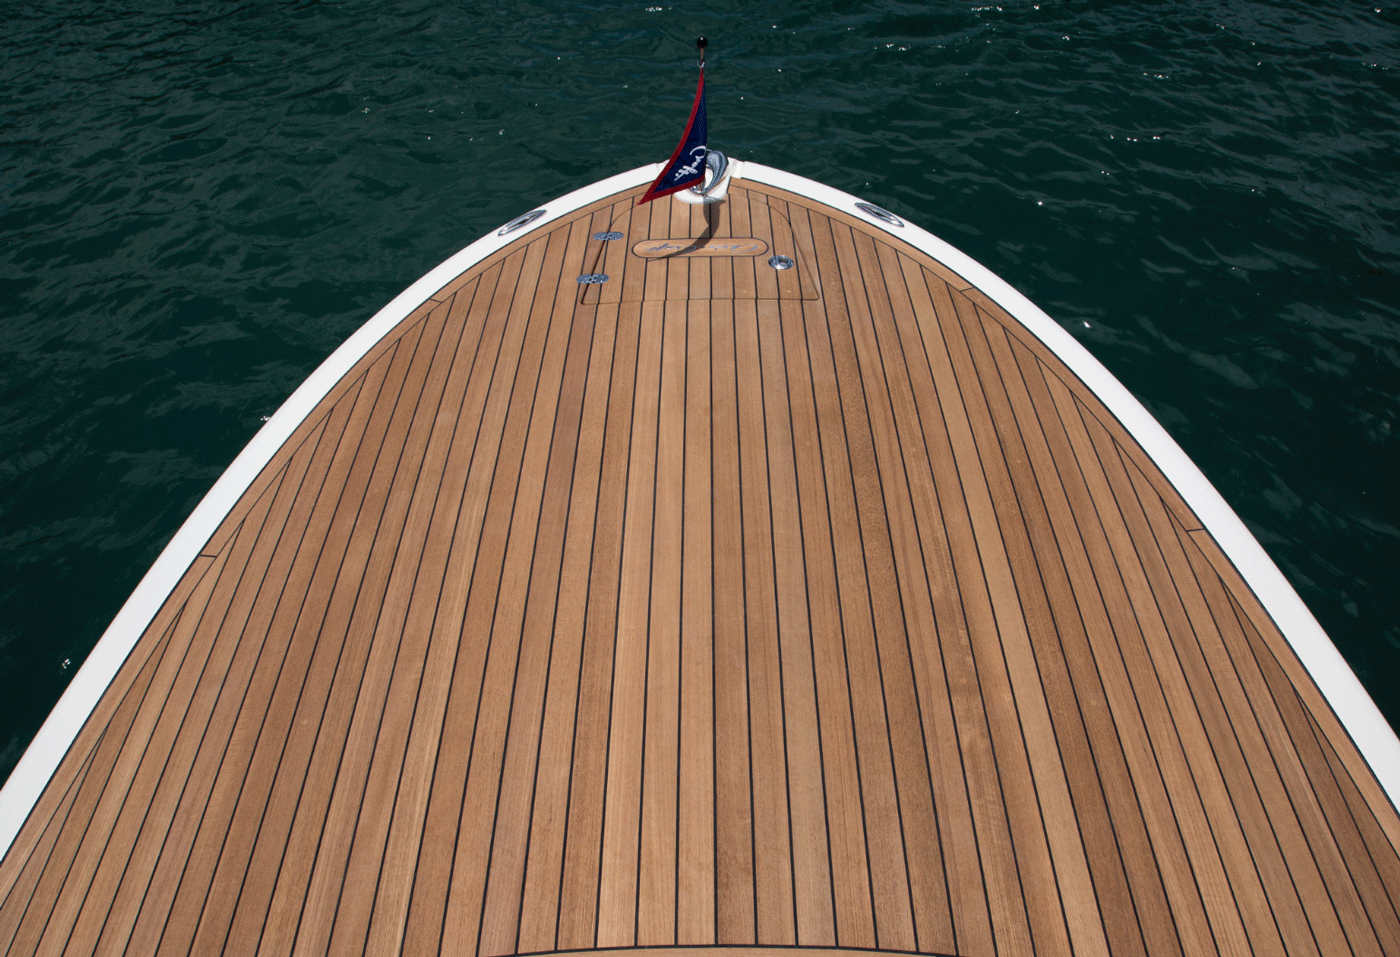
(711, 606)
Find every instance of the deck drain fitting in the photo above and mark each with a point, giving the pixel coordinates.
(781, 262)
(519, 221)
(884, 215)
(605, 237)
(590, 278)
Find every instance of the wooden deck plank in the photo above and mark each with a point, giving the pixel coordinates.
(496, 608)
(827, 609)
(1317, 706)
(465, 612)
(1178, 836)
(176, 905)
(429, 651)
(31, 917)
(352, 620)
(991, 310)
(721, 217)
(772, 830)
(810, 371)
(541, 511)
(1023, 895)
(116, 822)
(656, 271)
(703, 218)
(578, 907)
(813, 920)
(955, 728)
(354, 788)
(1221, 767)
(21, 895)
(734, 863)
(1378, 852)
(898, 550)
(1030, 562)
(458, 515)
(1232, 894)
(1270, 736)
(587, 392)
(1127, 875)
(867, 603)
(201, 742)
(618, 874)
(246, 835)
(657, 860)
(360, 848)
(695, 824)
(745, 278)
(1090, 847)
(1280, 847)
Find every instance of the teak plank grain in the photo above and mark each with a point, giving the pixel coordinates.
(811, 875)
(498, 391)
(492, 309)
(860, 540)
(175, 808)
(695, 824)
(618, 872)
(955, 729)
(746, 276)
(176, 910)
(1277, 842)
(734, 862)
(29, 918)
(367, 562)
(405, 649)
(541, 511)
(1127, 874)
(116, 822)
(457, 513)
(657, 852)
(1270, 733)
(1024, 897)
(21, 896)
(401, 770)
(1175, 834)
(710, 607)
(893, 532)
(358, 801)
(578, 906)
(1087, 859)
(771, 828)
(541, 892)
(497, 605)
(1230, 888)
(809, 373)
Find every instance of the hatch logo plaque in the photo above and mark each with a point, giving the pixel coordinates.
(669, 248)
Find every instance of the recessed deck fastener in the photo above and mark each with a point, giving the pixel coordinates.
(592, 277)
(781, 262)
(605, 237)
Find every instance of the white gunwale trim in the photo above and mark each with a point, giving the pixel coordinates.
(1351, 703)
(1353, 706)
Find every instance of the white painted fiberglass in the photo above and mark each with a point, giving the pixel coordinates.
(1349, 700)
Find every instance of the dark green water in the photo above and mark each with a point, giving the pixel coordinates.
(199, 201)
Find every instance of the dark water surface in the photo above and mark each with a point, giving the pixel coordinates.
(199, 201)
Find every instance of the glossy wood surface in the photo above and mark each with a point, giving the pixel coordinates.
(711, 606)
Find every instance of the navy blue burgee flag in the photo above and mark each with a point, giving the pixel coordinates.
(687, 164)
